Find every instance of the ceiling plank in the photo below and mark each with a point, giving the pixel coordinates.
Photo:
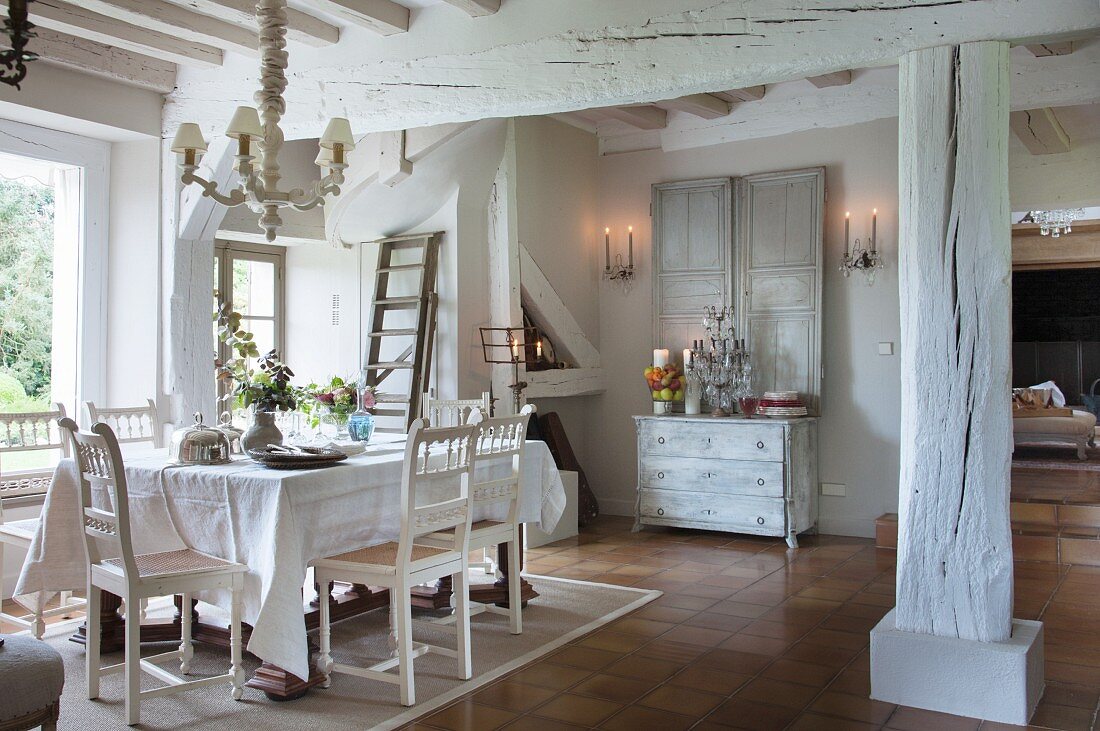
(645, 116)
(102, 60)
(76, 21)
(706, 106)
(1051, 49)
(1040, 131)
(837, 78)
(384, 17)
(476, 8)
(303, 28)
(748, 94)
(173, 20)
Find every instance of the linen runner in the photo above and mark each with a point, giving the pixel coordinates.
(273, 521)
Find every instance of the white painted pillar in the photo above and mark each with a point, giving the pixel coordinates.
(943, 645)
(504, 266)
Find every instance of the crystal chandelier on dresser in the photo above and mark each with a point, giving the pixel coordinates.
(1055, 223)
(259, 183)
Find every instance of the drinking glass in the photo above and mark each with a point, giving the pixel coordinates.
(748, 404)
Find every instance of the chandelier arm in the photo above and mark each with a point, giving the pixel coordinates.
(235, 198)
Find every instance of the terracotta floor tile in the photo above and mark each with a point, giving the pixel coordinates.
(739, 609)
(641, 627)
(915, 719)
(696, 636)
(815, 722)
(778, 693)
(853, 681)
(614, 688)
(709, 680)
(660, 613)
(857, 708)
(746, 714)
(513, 696)
(1068, 695)
(834, 657)
(712, 620)
(467, 716)
(777, 630)
(613, 641)
(755, 644)
(644, 668)
(676, 652)
(1063, 718)
(637, 718)
(678, 699)
(554, 677)
(804, 673)
(537, 723)
(834, 638)
(586, 658)
(577, 709)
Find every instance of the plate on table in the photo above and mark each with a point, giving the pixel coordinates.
(296, 458)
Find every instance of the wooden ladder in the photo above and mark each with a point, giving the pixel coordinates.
(398, 409)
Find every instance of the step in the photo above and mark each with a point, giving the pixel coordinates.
(886, 531)
(1037, 512)
(392, 333)
(400, 268)
(393, 366)
(1069, 544)
(391, 398)
(403, 303)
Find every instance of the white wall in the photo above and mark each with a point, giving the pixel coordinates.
(317, 349)
(1066, 180)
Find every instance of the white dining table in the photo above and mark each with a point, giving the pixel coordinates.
(273, 521)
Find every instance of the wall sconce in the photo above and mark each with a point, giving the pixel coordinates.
(619, 274)
(859, 259)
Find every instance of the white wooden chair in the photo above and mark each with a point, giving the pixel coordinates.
(452, 412)
(500, 438)
(30, 432)
(130, 423)
(436, 457)
(137, 576)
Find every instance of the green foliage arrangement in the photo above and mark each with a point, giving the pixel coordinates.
(266, 387)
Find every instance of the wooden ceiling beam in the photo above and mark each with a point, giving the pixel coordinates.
(706, 106)
(837, 78)
(748, 94)
(99, 59)
(303, 28)
(384, 17)
(476, 8)
(645, 116)
(170, 19)
(1063, 48)
(1040, 131)
(76, 21)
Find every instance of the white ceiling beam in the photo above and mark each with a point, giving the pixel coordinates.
(643, 117)
(1063, 48)
(837, 78)
(384, 17)
(748, 94)
(99, 59)
(76, 21)
(1040, 131)
(173, 20)
(706, 106)
(476, 8)
(393, 167)
(303, 28)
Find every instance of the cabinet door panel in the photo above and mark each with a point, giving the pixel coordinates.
(693, 229)
(688, 295)
(782, 350)
(769, 291)
(768, 225)
(802, 223)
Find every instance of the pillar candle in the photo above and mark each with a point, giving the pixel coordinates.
(660, 357)
(874, 227)
(515, 348)
(607, 249)
(687, 357)
(630, 246)
(538, 349)
(847, 236)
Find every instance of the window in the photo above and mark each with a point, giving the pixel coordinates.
(249, 279)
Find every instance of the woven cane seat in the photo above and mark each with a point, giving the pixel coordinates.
(23, 529)
(384, 555)
(183, 561)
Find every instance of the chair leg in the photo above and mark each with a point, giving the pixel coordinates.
(461, 594)
(324, 634)
(405, 645)
(515, 601)
(186, 649)
(66, 599)
(236, 667)
(91, 643)
(133, 664)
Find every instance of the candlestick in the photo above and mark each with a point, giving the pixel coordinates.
(630, 247)
(874, 228)
(847, 236)
(607, 249)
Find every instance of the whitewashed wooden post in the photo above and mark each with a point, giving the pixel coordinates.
(945, 645)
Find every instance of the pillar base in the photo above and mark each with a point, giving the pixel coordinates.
(994, 681)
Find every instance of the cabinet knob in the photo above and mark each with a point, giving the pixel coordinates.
(760, 521)
(760, 445)
(660, 475)
(660, 511)
(760, 481)
(660, 440)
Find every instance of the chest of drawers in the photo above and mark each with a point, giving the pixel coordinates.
(739, 475)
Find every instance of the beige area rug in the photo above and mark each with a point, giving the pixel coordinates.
(564, 611)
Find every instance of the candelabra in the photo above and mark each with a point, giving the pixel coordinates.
(1055, 223)
(858, 259)
(619, 274)
(719, 363)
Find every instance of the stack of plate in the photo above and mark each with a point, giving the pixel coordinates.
(781, 403)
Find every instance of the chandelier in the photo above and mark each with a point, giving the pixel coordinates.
(1055, 223)
(19, 31)
(259, 185)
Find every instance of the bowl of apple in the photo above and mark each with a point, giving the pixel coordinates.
(666, 386)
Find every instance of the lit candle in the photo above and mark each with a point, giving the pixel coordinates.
(847, 236)
(607, 249)
(688, 362)
(874, 228)
(538, 349)
(630, 246)
(660, 357)
(515, 347)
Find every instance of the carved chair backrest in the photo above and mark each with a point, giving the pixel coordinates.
(130, 423)
(442, 457)
(452, 412)
(29, 432)
(498, 439)
(100, 469)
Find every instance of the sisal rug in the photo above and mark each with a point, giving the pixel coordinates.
(564, 611)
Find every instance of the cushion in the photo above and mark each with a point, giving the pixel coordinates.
(1080, 424)
(32, 674)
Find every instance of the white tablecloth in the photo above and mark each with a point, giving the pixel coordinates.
(273, 521)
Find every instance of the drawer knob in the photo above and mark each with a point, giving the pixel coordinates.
(660, 511)
(660, 475)
(760, 445)
(760, 521)
(660, 440)
(760, 481)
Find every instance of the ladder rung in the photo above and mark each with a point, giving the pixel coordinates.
(390, 366)
(401, 268)
(391, 333)
(390, 430)
(402, 302)
(391, 398)
(390, 412)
